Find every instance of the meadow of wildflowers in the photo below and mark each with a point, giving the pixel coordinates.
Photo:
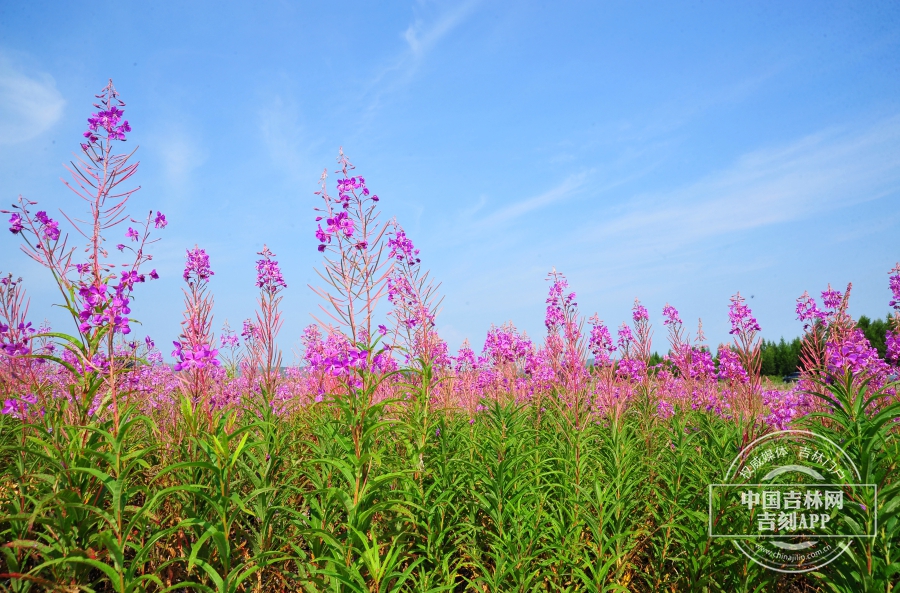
(384, 462)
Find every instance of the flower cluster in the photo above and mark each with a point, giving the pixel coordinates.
(600, 342)
(784, 406)
(832, 298)
(671, 315)
(199, 357)
(15, 223)
(741, 317)
(18, 407)
(337, 357)
(807, 311)
(632, 369)
(730, 367)
(49, 227)
(339, 223)
(854, 354)
(892, 342)
(350, 186)
(558, 304)
(894, 284)
(249, 331)
(465, 358)
(99, 308)
(229, 340)
(268, 274)
(16, 343)
(403, 249)
(504, 345)
(639, 312)
(702, 364)
(107, 120)
(626, 339)
(197, 267)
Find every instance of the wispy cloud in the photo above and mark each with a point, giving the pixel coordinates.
(565, 190)
(29, 105)
(647, 246)
(815, 174)
(181, 154)
(283, 136)
(422, 36)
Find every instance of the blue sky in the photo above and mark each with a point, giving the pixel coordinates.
(674, 152)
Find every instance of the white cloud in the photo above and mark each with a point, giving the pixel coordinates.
(283, 137)
(565, 190)
(182, 154)
(815, 174)
(422, 37)
(29, 104)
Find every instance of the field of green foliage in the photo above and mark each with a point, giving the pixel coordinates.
(350, 495)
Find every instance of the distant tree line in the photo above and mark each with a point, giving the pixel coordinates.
(780, 358)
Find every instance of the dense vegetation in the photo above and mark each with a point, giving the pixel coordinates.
(353, 496)
(384, 463)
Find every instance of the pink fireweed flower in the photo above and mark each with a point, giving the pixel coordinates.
(323, 237)
(15, 224)
(132, 234)
(465, 358)
(229, 340)
(832, 298)
(854, 354)
(639, 312)
(402, 248)
(341, 222)
(109, 121)
(249, 331)
(197, 265)
(895, 286)
(160, 222)
(632, 369)
(741, 317)
(199, 357)
(807, 311)
(730, 367)
(702, 364)
(600, 342)
(504, 344)
(892, 341)
(268, 274)
(625, 338)
(557, 304)
(49, 227)
(671, 315)
(17, 407)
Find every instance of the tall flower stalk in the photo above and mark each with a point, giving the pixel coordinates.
(415, 303)
(265, 355)
(18, 379)
(565, 348)
(96, 292)
(746, 362)
(195, 356)
(352, 241)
